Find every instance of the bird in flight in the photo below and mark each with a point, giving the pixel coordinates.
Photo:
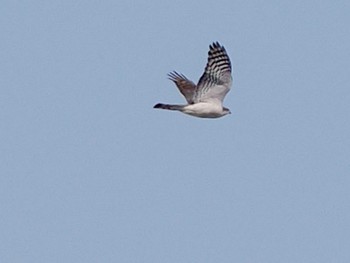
(205, 100)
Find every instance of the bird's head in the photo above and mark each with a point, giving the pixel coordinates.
(226, 111)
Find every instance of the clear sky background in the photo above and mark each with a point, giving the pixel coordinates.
(90, 172)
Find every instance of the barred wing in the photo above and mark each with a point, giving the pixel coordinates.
(216, 80)
(186, 87)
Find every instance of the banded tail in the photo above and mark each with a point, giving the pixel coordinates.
(168, 106)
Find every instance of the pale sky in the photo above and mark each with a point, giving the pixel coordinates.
(90, 172)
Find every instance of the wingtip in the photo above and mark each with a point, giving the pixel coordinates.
(175, 76)
(172, 75)
(216, 44)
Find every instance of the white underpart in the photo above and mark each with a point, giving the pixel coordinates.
(204, 110)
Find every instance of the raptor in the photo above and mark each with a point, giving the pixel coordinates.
(205, 100)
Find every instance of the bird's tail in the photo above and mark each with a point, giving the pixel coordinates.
(168, 107)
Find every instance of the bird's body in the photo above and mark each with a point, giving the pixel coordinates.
(200, 109)
(205, 100)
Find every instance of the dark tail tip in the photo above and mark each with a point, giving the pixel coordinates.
(158, 106)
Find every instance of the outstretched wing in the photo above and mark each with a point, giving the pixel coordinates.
(186, 87)
(216, 80)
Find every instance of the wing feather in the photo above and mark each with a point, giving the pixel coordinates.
(186, 87)
(216, 80)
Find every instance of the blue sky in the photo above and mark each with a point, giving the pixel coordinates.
(89, 172)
